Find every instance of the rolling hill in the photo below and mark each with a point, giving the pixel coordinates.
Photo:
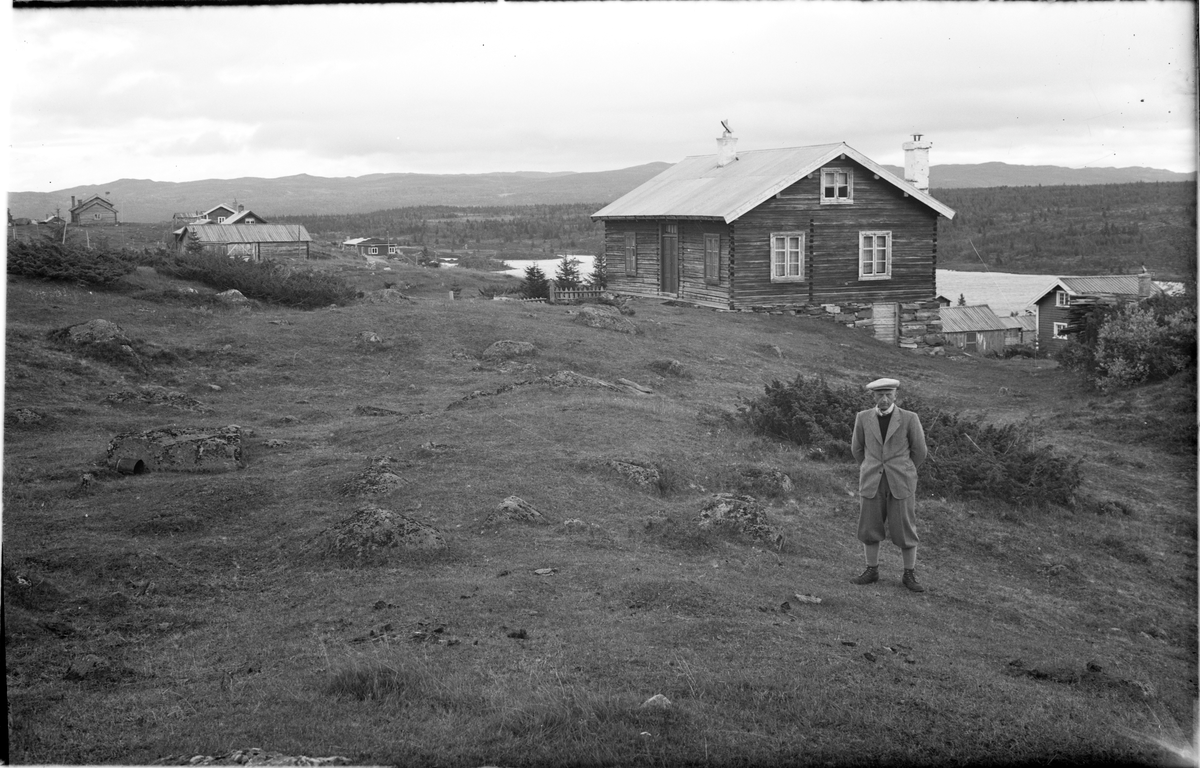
(147, 201)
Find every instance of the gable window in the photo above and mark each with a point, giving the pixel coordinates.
(837, 186)
(1060, 330)
(712, 259)
(631, 253)
(220, 219)
(1062, 299)
(874, 255)
(96, 215)
(787, 257)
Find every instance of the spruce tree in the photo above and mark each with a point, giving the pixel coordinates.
(567, 274)
(599, 277)
(535, 285)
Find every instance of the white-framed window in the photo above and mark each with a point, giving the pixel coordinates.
(373, 250)
(1062, 299)
(1060, 330)
(220, 219)
(391, 250)
(874, 255)
(631, 253)
(837, 186)
(787, 257)
(96, 215)
(712, 259)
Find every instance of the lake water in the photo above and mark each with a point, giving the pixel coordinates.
(1004, 292)
(550, 266)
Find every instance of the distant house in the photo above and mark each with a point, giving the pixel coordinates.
(218, 213)
(253, 242)
(371, 247)
(973, 329)
(800, 228)
(1019, 329)
(245, 216)
(1053, 306)
(93, 210)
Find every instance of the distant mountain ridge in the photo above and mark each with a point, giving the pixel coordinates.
(146, 201)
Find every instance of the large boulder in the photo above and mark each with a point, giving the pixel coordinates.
(737, 513)
(180, 449)
(95, 332)
(514, 509)
(605, 317)
(506, 350)
(639, 473)
(382, 476)
(374, 535)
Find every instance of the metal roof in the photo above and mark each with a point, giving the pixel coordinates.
(977, 318)
(237, 217)
(1121, 285)
(247, 233)
(696, 187)
(1024, 322)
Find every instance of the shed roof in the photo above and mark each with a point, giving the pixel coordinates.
(964, 319)
(696, 187)
(1024, 322)
(247, 233)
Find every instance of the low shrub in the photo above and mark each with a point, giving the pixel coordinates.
(967, 458)
(48, 260)
(1116, 347)
(262, 280)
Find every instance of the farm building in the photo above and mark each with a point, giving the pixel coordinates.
(1053, 306)
(371, 247)
(815, 229)
(973, 329)
(93, 210)
(1019, 329)
(253, 242)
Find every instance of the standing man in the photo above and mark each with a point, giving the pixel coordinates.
(889, 445)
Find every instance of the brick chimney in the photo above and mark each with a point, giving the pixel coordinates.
(726, 146)
(1144, 284)
(916, 162)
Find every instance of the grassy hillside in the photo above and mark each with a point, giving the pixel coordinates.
(176, 614)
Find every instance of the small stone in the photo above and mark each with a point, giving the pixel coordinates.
(656, 701)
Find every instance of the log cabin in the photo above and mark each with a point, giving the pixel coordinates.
(93, 210)
(1053, 306)
(796, 228)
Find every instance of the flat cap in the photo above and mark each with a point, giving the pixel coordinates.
(879, 384)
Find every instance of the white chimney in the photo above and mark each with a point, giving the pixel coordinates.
(1144, 282)
(726, 146)
(916, 162)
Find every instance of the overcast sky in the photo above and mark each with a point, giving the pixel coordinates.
(178, 94)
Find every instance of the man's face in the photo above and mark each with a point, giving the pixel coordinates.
(884, 398)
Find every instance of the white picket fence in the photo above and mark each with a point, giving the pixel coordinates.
(572, 294)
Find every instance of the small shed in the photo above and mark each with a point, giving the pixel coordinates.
(93, 210)
(973, 329)
(252, 242)
(1020, 329)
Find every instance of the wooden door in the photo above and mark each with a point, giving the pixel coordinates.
(885, 317)
(669, 255)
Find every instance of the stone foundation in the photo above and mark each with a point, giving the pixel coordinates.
(920, 322)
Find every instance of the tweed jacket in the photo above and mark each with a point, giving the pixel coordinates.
(898, 454)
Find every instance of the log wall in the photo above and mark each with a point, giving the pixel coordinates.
(831, 245)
